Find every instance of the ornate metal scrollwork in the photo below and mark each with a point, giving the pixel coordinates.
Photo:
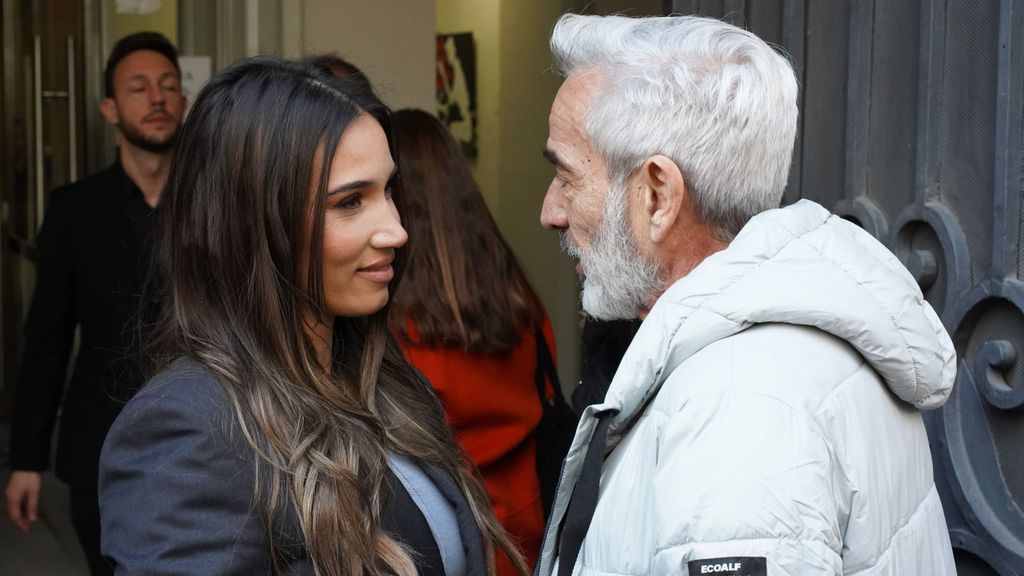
(990, 362)
(924, 267)
(928, 240)
(976, 424)
(985, 555)
(863, 212)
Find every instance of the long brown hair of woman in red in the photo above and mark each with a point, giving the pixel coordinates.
(463, 285)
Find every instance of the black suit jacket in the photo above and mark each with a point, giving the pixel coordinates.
(92, 257)
(177, 489)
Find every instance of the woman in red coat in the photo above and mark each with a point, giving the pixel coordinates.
(466, 317)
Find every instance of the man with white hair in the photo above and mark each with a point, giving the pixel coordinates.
(765, 419)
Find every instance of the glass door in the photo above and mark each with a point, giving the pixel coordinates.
(41, 146)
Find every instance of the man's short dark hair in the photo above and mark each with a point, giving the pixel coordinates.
(133, 43)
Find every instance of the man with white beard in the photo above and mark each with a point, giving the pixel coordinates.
(765, 419)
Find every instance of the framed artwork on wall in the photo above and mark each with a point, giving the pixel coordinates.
(456, 88)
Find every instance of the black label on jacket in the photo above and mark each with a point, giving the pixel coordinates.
(734, 566)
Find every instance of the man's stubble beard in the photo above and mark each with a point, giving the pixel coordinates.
(135, 137)
(619, 282)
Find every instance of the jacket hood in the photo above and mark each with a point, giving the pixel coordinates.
(796, 265)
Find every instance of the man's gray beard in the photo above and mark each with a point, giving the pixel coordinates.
(618, 282)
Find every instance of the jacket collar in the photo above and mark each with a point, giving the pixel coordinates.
(472, 540)
(794, 265)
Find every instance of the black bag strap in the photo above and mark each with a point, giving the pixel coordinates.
(584, 497)
(546, 368)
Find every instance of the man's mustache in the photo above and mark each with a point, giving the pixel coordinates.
(567, 245)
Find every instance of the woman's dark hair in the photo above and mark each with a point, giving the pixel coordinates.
(463, 285)
(242, 205)
(338, 66)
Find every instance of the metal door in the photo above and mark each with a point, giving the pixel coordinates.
(51, 131)
(912, 127)
(42, 141)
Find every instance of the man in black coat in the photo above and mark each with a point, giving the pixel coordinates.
(92, 257)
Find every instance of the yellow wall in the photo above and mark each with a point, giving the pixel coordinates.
(165, 21)
(527, 87)
(392, 41)
(629, 7)
(515, 88)
(481, 17)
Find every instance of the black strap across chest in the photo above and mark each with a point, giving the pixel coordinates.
(584, 497)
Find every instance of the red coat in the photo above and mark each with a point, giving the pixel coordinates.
(491, 402)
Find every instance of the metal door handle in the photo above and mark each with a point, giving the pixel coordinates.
(37, 101)
(72, 117)
(37, 105)
(30, 149)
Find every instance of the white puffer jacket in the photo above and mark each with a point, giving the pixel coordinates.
(769, 409)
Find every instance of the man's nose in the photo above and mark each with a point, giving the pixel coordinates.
(156, 95)
(552, 212)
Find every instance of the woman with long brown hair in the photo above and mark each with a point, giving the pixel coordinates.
(468, 318)
(283, 432)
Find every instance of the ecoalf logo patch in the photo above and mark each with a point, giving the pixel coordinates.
(734, 566)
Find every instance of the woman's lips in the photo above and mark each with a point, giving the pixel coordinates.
(381, 273)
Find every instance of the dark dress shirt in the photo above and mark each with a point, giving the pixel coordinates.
(604, 345)
(92, 257)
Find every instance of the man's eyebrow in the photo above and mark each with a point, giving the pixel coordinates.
(555, 161)
(142, 76)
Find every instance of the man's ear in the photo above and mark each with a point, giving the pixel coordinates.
(665, 192)
(109, 110)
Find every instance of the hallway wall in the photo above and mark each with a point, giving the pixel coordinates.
(528, 87)
(515, 87)
(392, 41)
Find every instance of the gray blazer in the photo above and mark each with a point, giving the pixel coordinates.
(176, 488)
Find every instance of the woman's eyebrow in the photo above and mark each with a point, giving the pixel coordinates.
(360, 184)
(349, 186)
